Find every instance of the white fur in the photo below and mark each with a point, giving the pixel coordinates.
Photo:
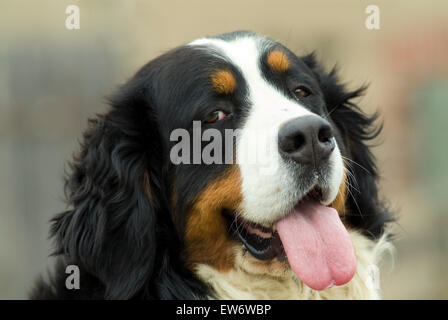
(337, 175)
(268, 187)
(251, 279)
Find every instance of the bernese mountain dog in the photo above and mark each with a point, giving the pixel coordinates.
(302, 221)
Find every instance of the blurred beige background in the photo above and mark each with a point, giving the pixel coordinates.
(52, 79)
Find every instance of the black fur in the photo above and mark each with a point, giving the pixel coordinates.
(126, 243)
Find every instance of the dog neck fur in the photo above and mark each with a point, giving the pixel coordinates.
(246, 283)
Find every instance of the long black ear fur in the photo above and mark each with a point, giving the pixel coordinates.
(118, 230)
(110, 231)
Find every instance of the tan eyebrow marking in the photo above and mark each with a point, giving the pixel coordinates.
(278, 61)
(223, 81)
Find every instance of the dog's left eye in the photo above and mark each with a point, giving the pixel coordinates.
(301, 92)
(215, 116)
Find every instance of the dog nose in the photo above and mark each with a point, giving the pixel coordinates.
(306, 140)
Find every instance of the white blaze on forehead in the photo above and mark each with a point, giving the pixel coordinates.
(268, 184)
(245, 53)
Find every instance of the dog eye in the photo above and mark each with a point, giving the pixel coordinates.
(215, 116)
(301, 92)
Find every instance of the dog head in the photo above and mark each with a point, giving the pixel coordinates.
(230, 152)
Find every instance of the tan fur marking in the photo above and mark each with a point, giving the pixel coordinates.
(206, 237)
(223, 82)
(339, 202)
(278, 61)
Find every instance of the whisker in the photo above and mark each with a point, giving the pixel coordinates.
(235, 222)
(352, 187)
(356, 203)
(351, 176)
(327, 115)
(354, 162)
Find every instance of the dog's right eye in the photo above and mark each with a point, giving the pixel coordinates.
(215, 116)
(301, 92)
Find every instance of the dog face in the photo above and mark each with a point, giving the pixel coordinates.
(252, 85)
(270, 203)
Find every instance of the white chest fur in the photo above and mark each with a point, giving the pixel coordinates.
(251, 279)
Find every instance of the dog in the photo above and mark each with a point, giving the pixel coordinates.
(143, 225)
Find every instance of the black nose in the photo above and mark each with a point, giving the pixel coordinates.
(306, 140)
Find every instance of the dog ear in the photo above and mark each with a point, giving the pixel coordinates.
(367, 211)
(113, 191)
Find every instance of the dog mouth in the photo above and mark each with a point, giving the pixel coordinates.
(262, 241)
(311, 237)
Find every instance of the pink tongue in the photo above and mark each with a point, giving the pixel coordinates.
(318, 246)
